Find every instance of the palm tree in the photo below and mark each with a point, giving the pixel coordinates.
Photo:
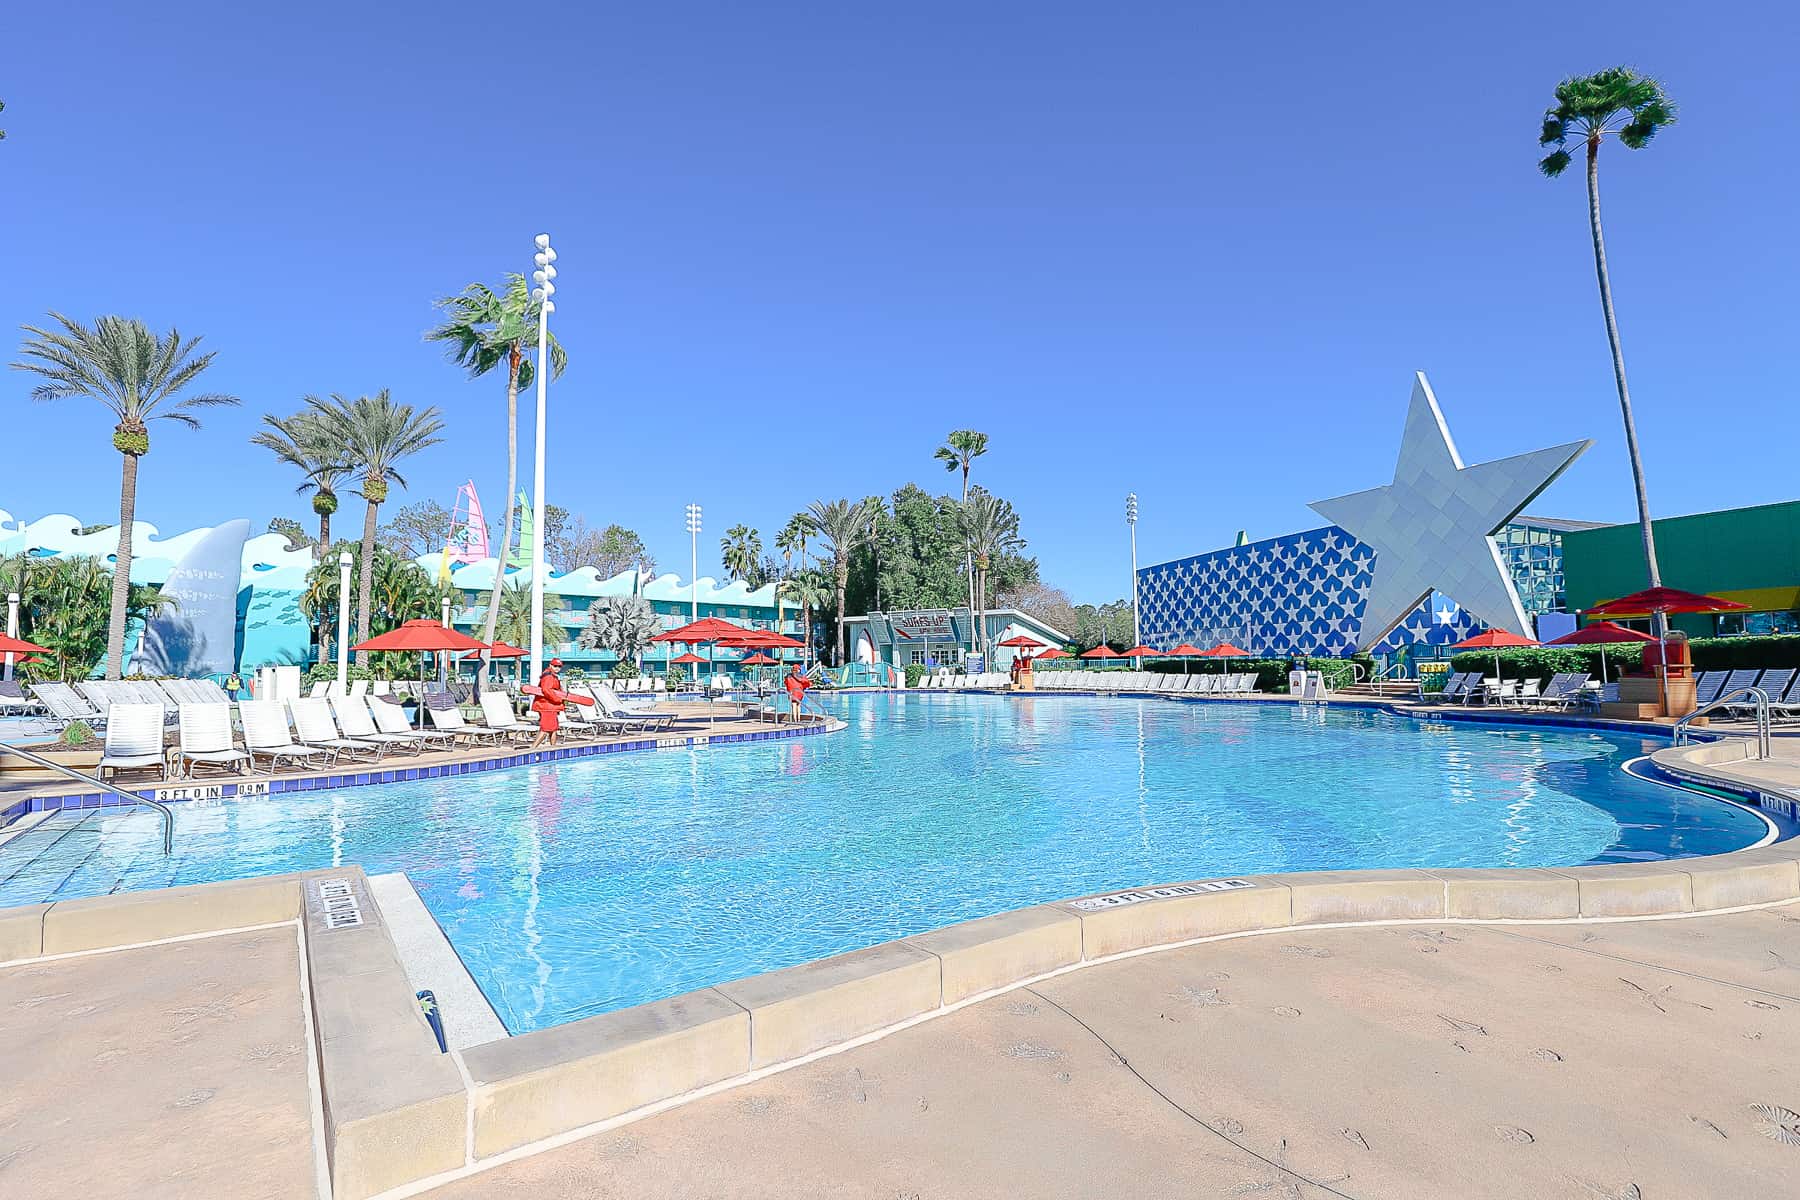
(139, 376)
(791, 541)
(1592, 107)
(740, 549)
(959, 450)
(621, 624)
(991, 528)
(376, 434)
(302, 443)
(876, 509)
(810, 589)
(486, 329)
(843, 525)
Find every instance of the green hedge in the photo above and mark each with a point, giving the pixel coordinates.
(1709, 654)
(914, 673)
(1271, 673)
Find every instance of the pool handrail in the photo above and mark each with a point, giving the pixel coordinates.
(168, 814)
(1680, 733)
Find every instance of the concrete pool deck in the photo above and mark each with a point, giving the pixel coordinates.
(1606, 1059)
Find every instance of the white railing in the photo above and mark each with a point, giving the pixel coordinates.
(168, 814)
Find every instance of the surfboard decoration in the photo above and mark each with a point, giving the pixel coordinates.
(467, 541)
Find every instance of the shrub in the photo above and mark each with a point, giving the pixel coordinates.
(1541, 662)
(914, 673)
(676, 677)
(1746, 653)
(77, 735)
(623, 669)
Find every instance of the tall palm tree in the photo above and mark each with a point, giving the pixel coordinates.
(842, 525)
(376, 434)
(302, 443)
(958, 452)
(486, 329)
(139, 376)
(991, 528)
(1617, 101)
(811, 590)
(740, 549)
(875, 508)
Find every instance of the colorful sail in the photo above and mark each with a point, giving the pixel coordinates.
(467, 540)
(521, 553)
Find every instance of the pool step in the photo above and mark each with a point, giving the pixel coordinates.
(75, 852)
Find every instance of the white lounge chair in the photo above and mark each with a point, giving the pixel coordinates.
(205, 740)
(314, 726)
(14, 701)
(497, 712)
(66, 706)
(447, 717)
(390, 718)
(266, 735)
(611, 712)
(134, 739)
(353, 718)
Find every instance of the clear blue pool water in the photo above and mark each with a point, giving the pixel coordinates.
(600, 883)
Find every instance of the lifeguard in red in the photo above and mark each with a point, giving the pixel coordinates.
(796, 684)
(547, 702)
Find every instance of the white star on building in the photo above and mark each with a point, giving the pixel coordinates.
(1433, 526)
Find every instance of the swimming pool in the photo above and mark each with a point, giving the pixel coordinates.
(602, 882)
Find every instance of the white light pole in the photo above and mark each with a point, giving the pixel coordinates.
(343, 646)
(1131, 521)
(693, 527)
(541, 293)
(12, 626)
(446, 608)
(444, 655)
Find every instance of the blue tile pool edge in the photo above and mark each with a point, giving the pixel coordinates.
(281, 785)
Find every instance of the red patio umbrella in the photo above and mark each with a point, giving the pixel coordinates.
(1495, 640)
(1601, 634)
(759, 659)
(13, 645)
(689, 657)
(1101, 651)
(421, 635)
(1054, 653)
(1185, 650)
(1225, 650)
(1661, 601)
(1021, 640)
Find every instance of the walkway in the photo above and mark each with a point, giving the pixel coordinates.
(1604, 1061)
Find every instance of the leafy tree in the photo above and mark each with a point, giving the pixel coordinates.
(293, 531)
(138, 376)
(609, 551)
(301, 442)
(811, 589)
(399, 590)
(739, 550)
(64, 606)
(621, 624)
(842, 525)
(958, 453)
(991, 528)
(485, 329)
(416, 529)
(376, 434)
(1051, 605)
(1620, 102)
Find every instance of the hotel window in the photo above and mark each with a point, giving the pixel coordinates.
(918, 658)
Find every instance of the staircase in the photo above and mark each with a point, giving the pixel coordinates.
(1380, 689)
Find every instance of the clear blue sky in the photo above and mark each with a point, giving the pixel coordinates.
(1188, 250)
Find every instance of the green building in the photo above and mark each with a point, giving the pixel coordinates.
(1750, 555)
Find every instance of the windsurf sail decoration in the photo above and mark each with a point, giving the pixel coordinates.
(468, 538)
(521, 553)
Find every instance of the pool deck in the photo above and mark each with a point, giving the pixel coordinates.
(1604, 1059)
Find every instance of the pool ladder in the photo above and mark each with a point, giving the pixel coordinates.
(1756, 694)
(168, 814)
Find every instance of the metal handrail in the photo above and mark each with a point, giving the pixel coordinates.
(168, 814)
(1762, 717)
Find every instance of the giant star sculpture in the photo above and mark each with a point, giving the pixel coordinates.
(1433, 526)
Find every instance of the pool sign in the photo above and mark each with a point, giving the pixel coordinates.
(1119, 899)
(211, 791)
(927, 623)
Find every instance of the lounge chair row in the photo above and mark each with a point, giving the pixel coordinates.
(1565, 690)
(953, 683)
(315, 732)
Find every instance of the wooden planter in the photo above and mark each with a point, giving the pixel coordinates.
(17, 770)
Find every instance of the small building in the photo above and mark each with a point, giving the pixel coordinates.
(1750, 555)
(943, 637)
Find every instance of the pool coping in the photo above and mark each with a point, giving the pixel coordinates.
(401, 1117)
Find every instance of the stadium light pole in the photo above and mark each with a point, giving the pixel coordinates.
(545, 289)
(343, 646)
(1131, 522)
(693, 528)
